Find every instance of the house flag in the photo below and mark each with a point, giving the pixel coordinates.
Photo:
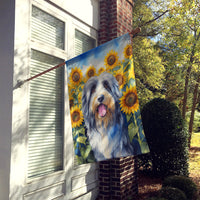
(104, 106)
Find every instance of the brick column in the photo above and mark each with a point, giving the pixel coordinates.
(117, 177)
(115, 19)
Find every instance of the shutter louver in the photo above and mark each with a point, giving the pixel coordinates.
(45, 142)
(83, 43)
(46, 28)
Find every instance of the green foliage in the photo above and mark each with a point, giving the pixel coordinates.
(181, 43)
(171, 193)
(198, 106)
(145, 163)
(156, 198)
(175, 26)
(166, 136)
(196, 124)
(149, 69)
(183, 183)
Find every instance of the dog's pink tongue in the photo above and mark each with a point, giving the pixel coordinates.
(102, 110)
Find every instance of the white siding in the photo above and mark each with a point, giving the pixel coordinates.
(86, 11)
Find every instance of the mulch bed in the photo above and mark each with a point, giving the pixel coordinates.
(195, 171)
(149, 186)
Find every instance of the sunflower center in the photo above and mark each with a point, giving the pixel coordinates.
(76, 76)
(119, 79)
(130, 99)
(91, 73)
(111, 59)
(76, 116)
(129, 51)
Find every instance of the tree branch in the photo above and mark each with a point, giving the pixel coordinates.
(149, 87)
(150, 21)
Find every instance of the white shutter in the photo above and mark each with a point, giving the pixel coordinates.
(45, 141)
(46, 28)
(83, 43)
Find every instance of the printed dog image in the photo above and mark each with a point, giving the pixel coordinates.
(106, 125)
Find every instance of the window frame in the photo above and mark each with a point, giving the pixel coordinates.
(52, 51)
(58, 183)
(69, 43)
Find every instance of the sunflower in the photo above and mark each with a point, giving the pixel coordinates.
(111, 59)
(76, 116)
(91, 71)
(75, 76)
(128, 51)
(120, 77)
(101, 70)
(129, 101)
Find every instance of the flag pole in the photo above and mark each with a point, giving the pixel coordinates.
(135, 31)
(20, 83)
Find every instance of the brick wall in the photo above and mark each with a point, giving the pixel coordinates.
(117, 177)
(115, 19)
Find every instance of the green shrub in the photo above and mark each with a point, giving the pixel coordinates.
(167, 137)
(171, 193)
(144, 162)
(196, 122)
(156, 198)
(183, 183)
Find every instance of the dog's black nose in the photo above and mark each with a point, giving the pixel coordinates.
(100, 98)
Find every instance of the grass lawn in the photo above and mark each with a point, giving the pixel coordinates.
(194, 160)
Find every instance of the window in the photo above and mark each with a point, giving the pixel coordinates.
(83, 42)
(45, 139)
(47, 29)
(46, 104)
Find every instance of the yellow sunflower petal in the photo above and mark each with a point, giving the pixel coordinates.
(128, 51)
(80, 97)
(91, 71)
(120, 77)
(75, 76)
(131, 73)
(111, 59)
(101, 70)
(76, 116)
(129, 101)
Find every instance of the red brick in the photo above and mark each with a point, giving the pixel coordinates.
(118, 177)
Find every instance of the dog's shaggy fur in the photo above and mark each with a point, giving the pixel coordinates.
(107, 128)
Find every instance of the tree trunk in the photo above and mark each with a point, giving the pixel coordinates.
(188, 74)
(185, 91)
(193, 109)
(198, 99)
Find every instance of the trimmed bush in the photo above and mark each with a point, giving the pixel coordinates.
(171, 193)
(167, 137)
(145, 163)
(183, 183)
(157, 198)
